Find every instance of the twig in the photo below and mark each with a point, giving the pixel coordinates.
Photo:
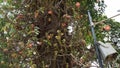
(58, 3)
(105, 19)
(75, 60)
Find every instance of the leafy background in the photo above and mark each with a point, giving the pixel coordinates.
(34, 33)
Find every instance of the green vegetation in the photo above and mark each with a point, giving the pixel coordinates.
(34, 33)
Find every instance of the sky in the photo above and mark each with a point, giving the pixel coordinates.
(112, 8)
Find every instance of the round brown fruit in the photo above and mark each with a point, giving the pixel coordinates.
(50, 12)
(77, 4)
(107, 28)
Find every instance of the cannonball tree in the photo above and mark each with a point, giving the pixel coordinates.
(35, 33)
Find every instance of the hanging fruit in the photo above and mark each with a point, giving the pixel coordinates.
(107, 27)
(50, 12)
(77, 4)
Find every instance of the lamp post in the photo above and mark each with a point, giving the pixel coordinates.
(95, 41)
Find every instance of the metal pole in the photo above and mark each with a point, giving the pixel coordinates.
(95, 41)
